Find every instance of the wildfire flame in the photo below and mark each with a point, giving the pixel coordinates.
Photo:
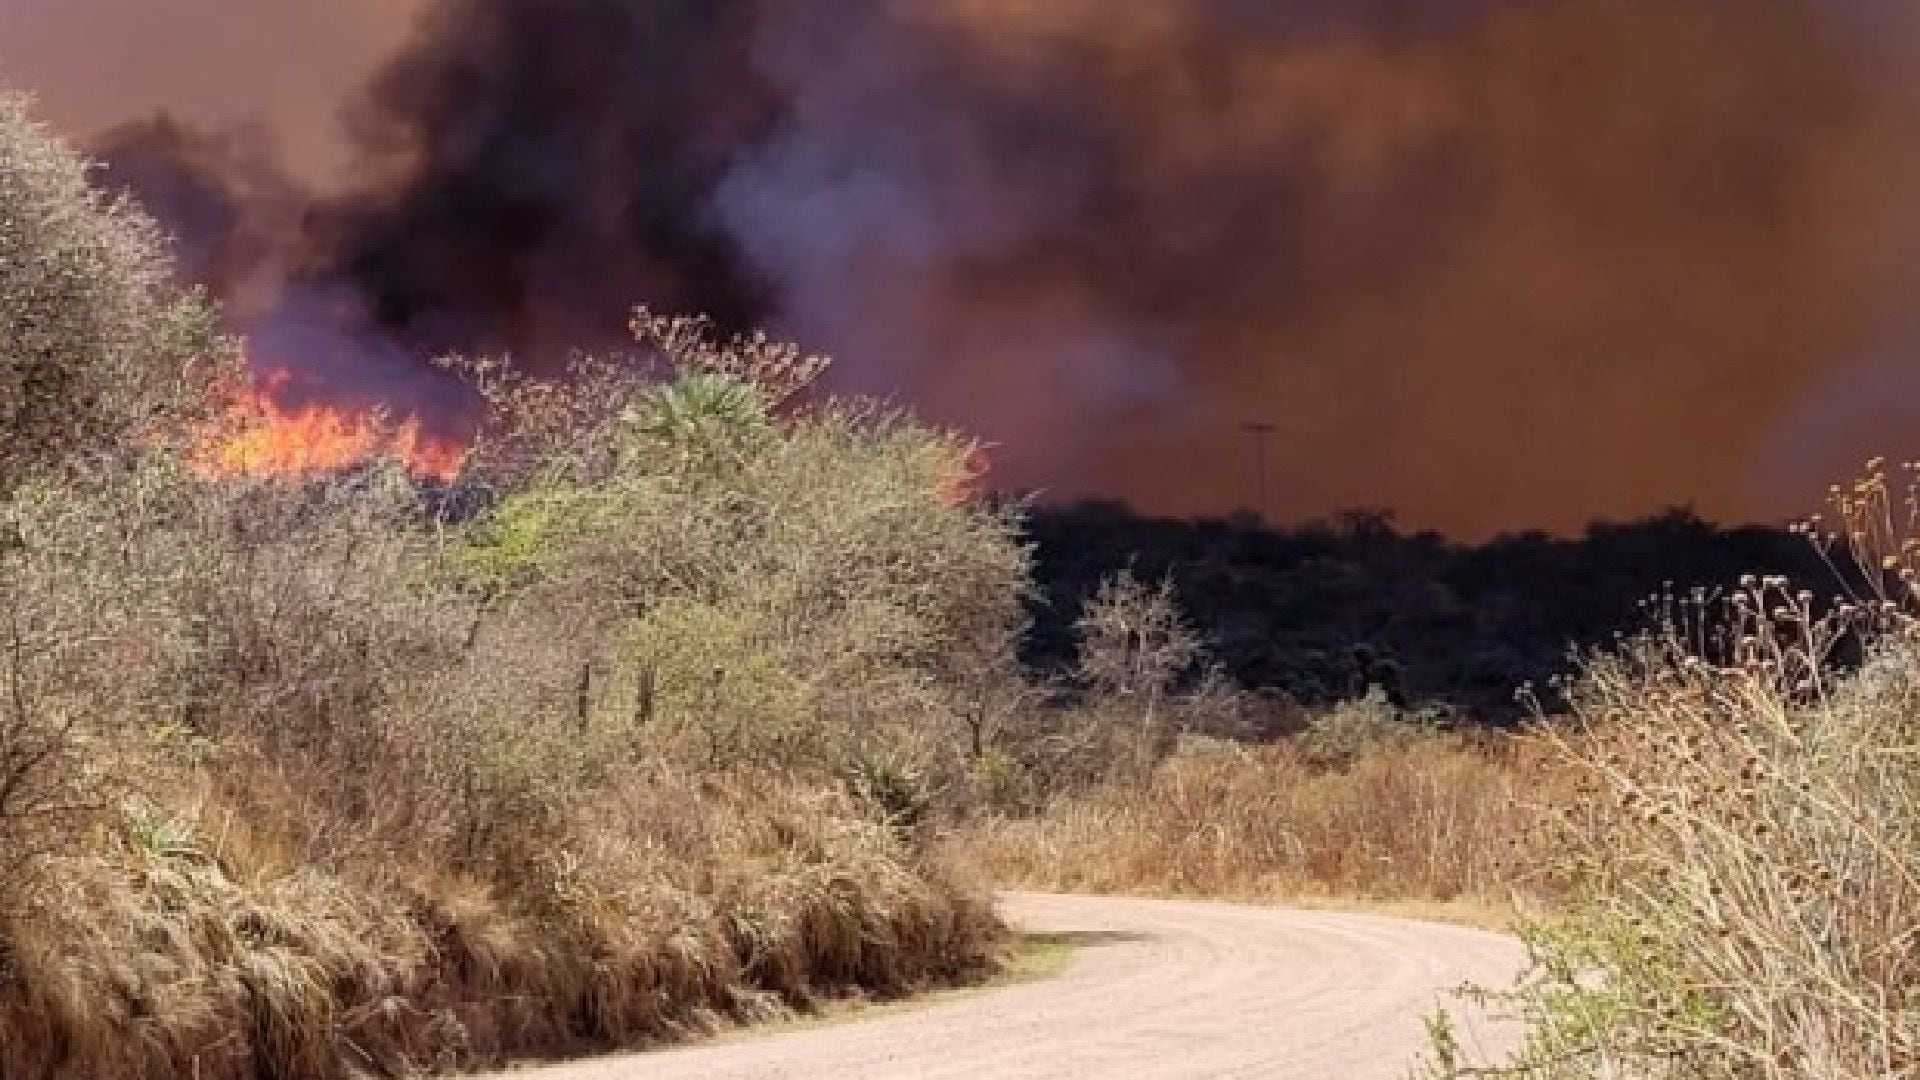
(267, 439)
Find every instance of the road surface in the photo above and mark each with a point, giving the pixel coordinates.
(1157, 990)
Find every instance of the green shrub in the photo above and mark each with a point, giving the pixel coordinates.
(1351, 730)
(746, 586)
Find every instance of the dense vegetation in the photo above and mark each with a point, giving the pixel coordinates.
(322, 776)
(99, 350)
(1315, 615)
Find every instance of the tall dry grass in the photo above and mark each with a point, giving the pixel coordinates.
(1429, 820)
(206, 945)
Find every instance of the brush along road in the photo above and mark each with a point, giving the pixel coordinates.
(1157, 989)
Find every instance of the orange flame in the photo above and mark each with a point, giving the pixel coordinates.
(267, 439)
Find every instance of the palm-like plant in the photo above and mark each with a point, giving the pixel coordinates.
(700, 414)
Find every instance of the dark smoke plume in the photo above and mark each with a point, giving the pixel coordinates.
(553, 164)
(1486, 262)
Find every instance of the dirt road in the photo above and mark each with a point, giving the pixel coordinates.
(1159, 989)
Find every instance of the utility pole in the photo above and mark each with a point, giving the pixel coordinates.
(1261, 432)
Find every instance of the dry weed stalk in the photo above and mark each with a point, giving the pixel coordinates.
(1747, 848)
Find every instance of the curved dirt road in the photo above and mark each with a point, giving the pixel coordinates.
(1159, 989)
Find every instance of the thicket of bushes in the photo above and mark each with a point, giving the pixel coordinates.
(661, 716)
(638, 730)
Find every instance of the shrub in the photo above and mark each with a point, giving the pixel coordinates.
(1746, 852)
(748, 585)
(98, 353)
(73, 725)
(1351, 730)
(100, 360)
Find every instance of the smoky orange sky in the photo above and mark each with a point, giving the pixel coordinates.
(1490, 264)
(285, 65)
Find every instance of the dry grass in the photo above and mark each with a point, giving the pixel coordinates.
(1436, 821)
(198, 947)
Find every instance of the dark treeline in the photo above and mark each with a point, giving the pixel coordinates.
(1317, 613)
